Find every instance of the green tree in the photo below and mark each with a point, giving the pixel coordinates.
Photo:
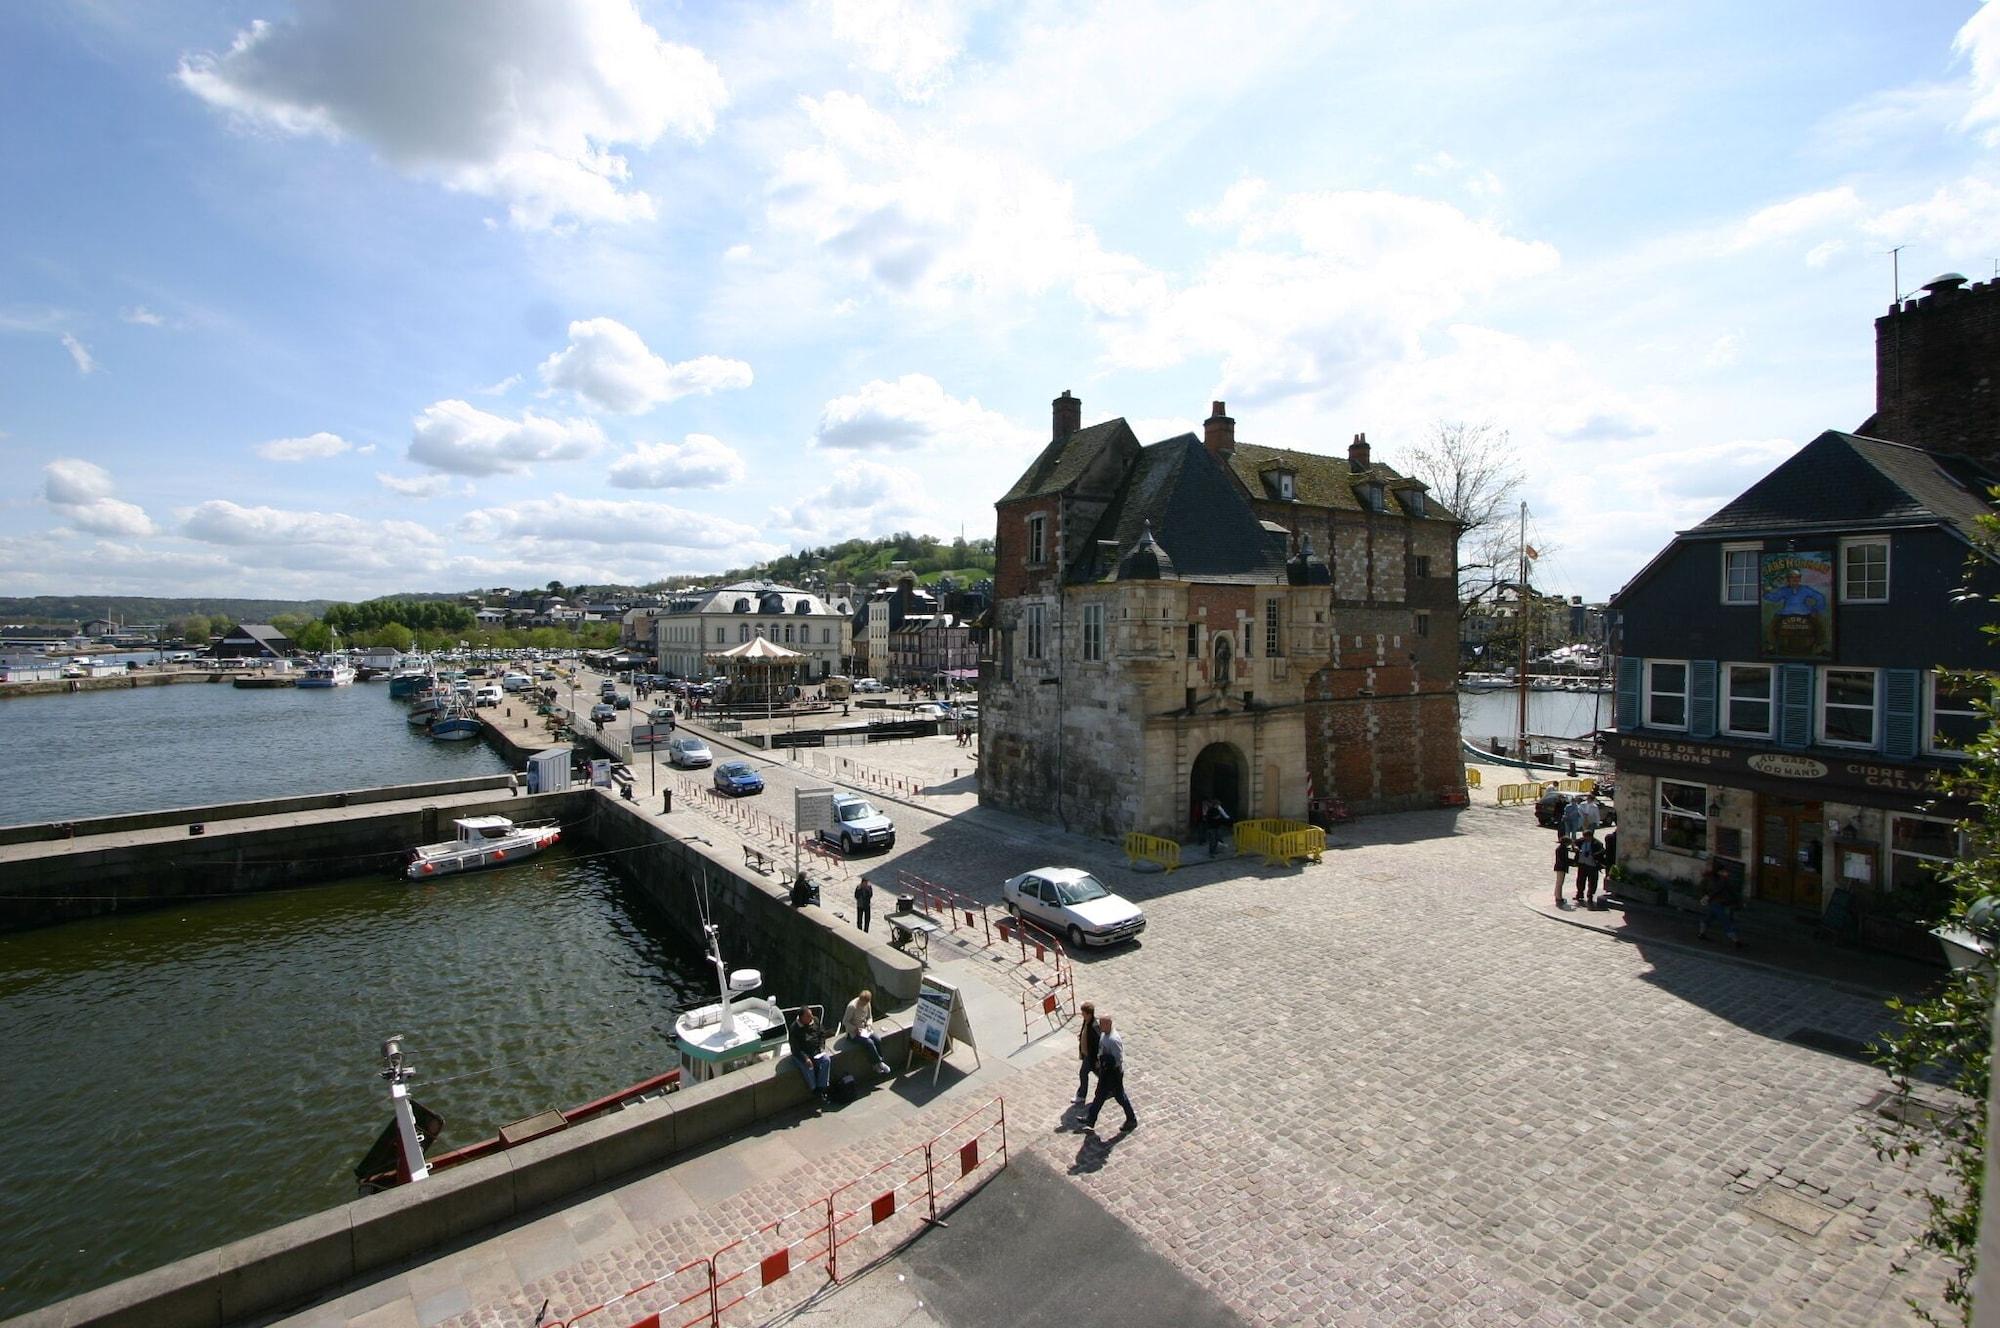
(395, 636)
(1948, 1037)
(192, 629)
(313, 638)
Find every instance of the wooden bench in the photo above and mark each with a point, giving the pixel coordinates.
(758, 858)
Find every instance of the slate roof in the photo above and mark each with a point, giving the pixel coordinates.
(1841, 481)
(1064, 460)
(1326, 481)
(1197, 515)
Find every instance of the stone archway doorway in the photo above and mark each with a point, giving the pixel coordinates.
(1218, 773)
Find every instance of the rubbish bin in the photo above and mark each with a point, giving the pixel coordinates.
(666, 800)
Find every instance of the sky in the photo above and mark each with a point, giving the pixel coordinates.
(340, 298)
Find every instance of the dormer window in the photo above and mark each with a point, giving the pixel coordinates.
(1282, 484)
(1413, 499)
(1371, 496)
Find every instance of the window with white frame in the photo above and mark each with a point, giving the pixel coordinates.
(1093, 632)
(1031, 633)
(1038, 540)
(1272, 649)
(1953, 710)
(1920, 847)
(1681, 819)
(1746, 703)
(742, 631)
(1666, 693)
(1864, 571)
(1847, 710)
(1739, 573)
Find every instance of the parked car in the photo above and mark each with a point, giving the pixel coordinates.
(603, 713)
(688, 752)
(871, 685)
(929, 710)
(736, 778)
(856, 824)
(1074, 904)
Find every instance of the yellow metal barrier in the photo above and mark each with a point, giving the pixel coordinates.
(1152, 848)
(1471, 777)
(1516, 795)
(1576, 785)
(1279, 841)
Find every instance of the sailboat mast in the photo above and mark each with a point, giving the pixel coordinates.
(1522, 615)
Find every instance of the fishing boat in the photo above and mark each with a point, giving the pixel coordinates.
(427, 708)
(483, 841)
(454, 726)
(739, 1030)
(406, 683)
(327, 673)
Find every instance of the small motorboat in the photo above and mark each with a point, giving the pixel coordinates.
(483, 841)
(738, 1030)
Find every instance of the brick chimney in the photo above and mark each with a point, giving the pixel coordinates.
(1357, 453)
(1068, 416)
(1218, 434)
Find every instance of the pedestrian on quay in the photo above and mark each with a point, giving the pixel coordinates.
(1110, 1076)
(1720, 901)
(1589, 863)
(809, 1053)
(1572, 820)
(864, 902)
(513, 783)
(1563, 860)
(858, 1023)
(1086, 1049)
(1214, 819)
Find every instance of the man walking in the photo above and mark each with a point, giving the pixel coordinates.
(1110, 1076)
(864, 903)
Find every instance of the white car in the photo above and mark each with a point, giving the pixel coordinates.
(1073, 904)
(488, 695)
(688, 752)
(871, 685)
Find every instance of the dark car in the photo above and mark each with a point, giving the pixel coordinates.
(736, 778)
(622, 701)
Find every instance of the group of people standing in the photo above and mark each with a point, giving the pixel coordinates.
(1578, 846)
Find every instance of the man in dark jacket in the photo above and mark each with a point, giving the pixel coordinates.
(1110, 1076)
(809, 1053)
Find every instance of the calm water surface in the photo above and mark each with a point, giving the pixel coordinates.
(82, 754)
(186, 1077)
(1483, 715)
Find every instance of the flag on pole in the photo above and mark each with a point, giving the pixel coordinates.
(1529, 549)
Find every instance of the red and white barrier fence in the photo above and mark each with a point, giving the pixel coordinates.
(854, 1223)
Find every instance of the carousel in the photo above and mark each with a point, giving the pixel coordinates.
(761, 672)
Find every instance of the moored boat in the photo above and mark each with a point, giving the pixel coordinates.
(739, 1030)
(483, 841)
(457, 726)
(327, 673)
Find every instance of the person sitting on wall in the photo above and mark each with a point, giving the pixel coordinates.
(858, 1023)
(809, 1053)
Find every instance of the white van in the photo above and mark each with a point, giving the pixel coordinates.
(517, 682)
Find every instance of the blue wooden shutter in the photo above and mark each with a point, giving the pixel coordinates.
(1701, 698)
(1902, 691)
(1630, 671)
(1795, 695)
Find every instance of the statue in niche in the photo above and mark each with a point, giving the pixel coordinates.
(1223, 654)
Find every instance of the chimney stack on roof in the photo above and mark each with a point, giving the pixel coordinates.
(1357, 453)
(1218, 434)
(1068, 416)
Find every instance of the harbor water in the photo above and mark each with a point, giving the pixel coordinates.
(1482, 716)
(96, 753)
(188, 1076)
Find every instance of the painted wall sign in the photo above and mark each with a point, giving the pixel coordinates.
(1797, 594)
(1788, 767)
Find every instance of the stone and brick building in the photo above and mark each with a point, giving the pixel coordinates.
(1784, 705)
(1166, 628)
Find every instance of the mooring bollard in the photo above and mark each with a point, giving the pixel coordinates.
(666, 800)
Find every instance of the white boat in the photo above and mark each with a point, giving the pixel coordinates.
(738, 1030)
(327, 674)
(483, 841)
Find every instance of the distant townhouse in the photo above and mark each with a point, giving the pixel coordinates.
(693, 626)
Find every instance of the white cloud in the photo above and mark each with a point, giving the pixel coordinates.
(1317, 290)
(143, 316)
(79, 353)
(458, 437)
(1797, 216)
(608, 365)
(914, 412)
(861, 498)
(499, 389)
(312, 447)
(414, 486)
(219, 521)
(910, 42)
(1960, 216)
(603, 521)
(524, 103)
(1979, 42)
(698, 462)
(81, 493)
